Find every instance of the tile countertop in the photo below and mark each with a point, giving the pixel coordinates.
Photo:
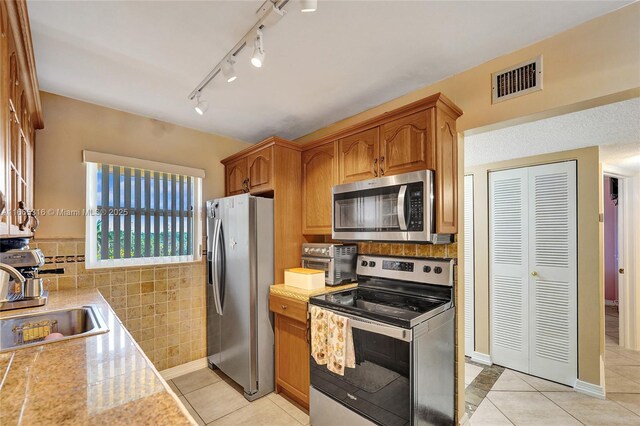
(304, 295)
(100, 379)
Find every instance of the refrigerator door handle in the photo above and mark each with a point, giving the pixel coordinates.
(222, 277)
(216, 272)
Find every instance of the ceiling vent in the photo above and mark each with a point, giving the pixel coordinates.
(517, 80)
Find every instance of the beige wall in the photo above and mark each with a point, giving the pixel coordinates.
(599, 58)
(590, 281)
(592, 64)
(163, 307)
(71, 126)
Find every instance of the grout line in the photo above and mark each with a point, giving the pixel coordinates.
(285, 411)
(176, 386)
(194, 410)
(620, 405)
(557, 405)
(499, 410)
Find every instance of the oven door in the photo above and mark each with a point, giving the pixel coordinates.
(394, 208)
(379, 387)
(322, 264)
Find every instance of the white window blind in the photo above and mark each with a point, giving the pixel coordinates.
(137, 216)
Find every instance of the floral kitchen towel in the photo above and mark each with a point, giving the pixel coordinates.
(340, 344)
(319, 335)
(331, 340)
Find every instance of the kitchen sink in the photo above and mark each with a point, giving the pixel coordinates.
(21, 331)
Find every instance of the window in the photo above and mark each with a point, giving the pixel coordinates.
(141, 216)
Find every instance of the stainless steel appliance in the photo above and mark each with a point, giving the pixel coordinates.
(22, 266)
(338, 261)
(240, 271)
(402, 318)
(393, 208)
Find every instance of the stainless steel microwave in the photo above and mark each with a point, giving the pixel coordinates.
(393, 208)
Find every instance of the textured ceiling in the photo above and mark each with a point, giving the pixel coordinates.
(614, 127)
(145, 57)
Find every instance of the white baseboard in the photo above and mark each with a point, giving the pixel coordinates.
(481, 358)
(589, 389)
(179, 370)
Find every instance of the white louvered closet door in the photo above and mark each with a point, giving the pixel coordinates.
(509, 257)
(553, 272)
(469, 268)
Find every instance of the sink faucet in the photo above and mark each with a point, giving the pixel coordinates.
(11, 272)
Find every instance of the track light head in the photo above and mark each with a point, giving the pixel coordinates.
(258, 51)
(308, 5)
(201, 105)
(228, 70)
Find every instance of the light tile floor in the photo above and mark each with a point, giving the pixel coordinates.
(212, 399)
(519, 399)
(495, 396)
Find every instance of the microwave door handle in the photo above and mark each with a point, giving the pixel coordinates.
(402, 220)
(316, 259)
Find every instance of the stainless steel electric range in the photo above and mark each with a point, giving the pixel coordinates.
(402, 318)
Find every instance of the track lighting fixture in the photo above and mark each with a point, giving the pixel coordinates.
(258, 50)
(269, 13)
(308, 5)
(228, 70)
(201, 105)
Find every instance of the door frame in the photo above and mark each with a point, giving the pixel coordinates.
(628, 292)
(470, 270)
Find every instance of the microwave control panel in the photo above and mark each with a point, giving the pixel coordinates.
(416, 207)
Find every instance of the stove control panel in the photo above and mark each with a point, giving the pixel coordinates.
(419, 270)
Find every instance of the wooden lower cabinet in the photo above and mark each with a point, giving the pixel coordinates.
(292, 351)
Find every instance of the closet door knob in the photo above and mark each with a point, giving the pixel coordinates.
(534, 274)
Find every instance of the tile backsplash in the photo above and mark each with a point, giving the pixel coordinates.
(415, 250)
(163, 307)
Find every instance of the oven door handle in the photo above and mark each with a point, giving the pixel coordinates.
(377, 327)
(402, 220)
(316, 259)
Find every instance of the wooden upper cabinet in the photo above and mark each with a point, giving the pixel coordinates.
(260, 170)
(358, 156)
(405, 144)
(446, 181)
(418, 136)
(236, 177)
(318, 178)
(21, 113)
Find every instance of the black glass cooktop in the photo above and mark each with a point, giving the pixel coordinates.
(394, 308)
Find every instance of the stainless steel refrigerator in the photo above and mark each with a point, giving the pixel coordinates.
(240, 271)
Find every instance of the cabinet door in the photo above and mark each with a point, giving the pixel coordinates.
(446, 182)
(5, 120)
(358, 156)
(318, 177)
(292, 358)
(406, 144)
(236, 175)
(260, 170)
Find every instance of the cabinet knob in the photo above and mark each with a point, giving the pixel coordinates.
(284, 307)
(534, 274)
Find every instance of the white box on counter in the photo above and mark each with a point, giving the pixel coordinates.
(304, 278)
